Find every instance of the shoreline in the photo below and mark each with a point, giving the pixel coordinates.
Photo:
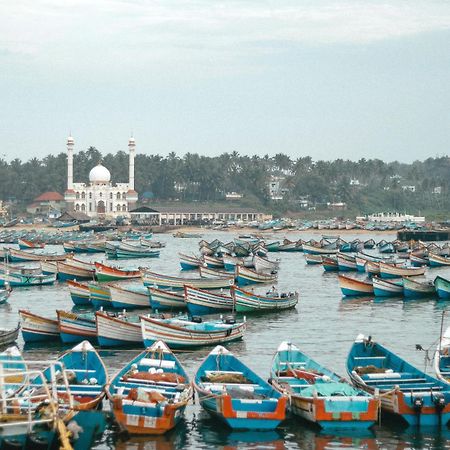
(203, 230)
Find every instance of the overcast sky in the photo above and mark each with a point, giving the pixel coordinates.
(329, 79)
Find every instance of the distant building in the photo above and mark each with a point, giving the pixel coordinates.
(47, 204)
(410, 188)
(337, 206)
(100, 198)
(437, 190)
(394, 217)
(277, 190)
(354, 182)
(195, 214)
(233, 196)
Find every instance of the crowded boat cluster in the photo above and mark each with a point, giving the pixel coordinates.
(396, 275)
(209, 303)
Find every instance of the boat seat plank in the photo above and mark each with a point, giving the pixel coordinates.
(362, 358)
(395, 380)
(223, 372)
(150, 362)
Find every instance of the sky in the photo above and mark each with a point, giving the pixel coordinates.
(322, 78)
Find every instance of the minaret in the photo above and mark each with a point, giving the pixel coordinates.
(69, 195)
(132, 149)
(132, 196)
(70, 144)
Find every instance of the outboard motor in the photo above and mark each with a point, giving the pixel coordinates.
(439, 403)
(197, 319)
(417, 406)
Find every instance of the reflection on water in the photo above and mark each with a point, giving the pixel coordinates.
(323, 325)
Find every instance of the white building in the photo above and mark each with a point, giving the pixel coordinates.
(100, 198)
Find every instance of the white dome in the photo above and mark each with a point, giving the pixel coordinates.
(99, 175)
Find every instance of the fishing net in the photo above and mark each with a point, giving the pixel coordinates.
(227, 378)
(364, 370)
(168, 377)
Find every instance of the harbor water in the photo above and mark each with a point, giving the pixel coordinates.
(324, 324)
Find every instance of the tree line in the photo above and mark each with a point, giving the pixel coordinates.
(367, 185)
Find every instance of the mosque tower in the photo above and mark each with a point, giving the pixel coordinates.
(69, 195)
(132, 195)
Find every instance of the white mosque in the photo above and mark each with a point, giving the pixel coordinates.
(100, 198)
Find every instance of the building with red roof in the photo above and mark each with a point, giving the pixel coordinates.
(48, 203)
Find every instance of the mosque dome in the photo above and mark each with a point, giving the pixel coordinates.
(99, 175)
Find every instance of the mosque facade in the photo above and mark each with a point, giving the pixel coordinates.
(100, 198)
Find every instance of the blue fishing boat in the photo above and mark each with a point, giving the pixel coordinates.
(188, 262)
(386, 247)
(406, 391)
(36, 328)
(245, 276)
(181, 332)
(166, 300)
(346, 263)
(79, 292)
(231, 391)
(442, 286)
(99, 295)
(417, 289)
(329, 263)
(115, 330)
(387, 288)
(200, 302)
(313, 260)
(86, 375)
(319, 395)
(149, 395)
(76, 327)
(20, 280)
(351, 286)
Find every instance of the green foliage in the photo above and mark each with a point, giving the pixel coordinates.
(207, 179)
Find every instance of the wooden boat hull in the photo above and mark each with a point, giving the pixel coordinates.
(67, 271)
(313, 260)
(107, 273)
(249, 302)
(246, 276)
(177, 335)
(414, 289)
(351, 286)
(330, 264)
(188, 262)
(167, 282)
(346, 264)
(391, 271)
(164, 300)
(116, 332)
(37, 328)
(99, 296)
(126, 298)
(438, 261)
(18, 280)
(200, 302)
(24, 256)
(386, 288)
(73, 328)
(442, 286)
(79, 293)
